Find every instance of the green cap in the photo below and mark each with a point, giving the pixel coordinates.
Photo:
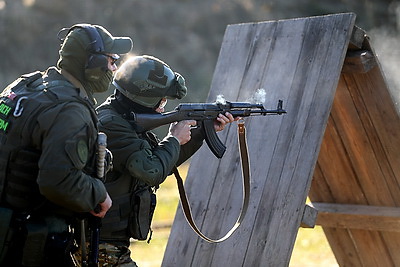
(114, 45)
(96, 36)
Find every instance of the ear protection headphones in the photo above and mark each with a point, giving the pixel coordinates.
(96, 63)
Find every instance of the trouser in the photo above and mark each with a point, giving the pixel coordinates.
(34, 243)
(55, 252)
(111, 255)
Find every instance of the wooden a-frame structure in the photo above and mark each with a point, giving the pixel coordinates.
(338, 143)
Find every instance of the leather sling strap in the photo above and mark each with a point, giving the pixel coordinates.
(246, 189)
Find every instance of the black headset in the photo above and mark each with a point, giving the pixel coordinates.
(97, 62)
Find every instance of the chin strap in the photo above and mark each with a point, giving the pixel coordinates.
(246, 189)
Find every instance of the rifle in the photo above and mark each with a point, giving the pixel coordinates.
(204, 114)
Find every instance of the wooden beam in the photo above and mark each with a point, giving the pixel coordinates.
(373, 218)
(358, 61)
(309, 217)
(357, 38)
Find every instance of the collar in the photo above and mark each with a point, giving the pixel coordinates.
(122, 109)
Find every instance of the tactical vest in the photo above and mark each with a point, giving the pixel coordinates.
(20, 104)
(133, 201)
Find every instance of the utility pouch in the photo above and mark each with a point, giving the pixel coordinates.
(5, 232)
(34, 245)
(144, 204)
(21, 190)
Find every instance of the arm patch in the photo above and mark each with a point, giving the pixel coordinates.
(78, 152)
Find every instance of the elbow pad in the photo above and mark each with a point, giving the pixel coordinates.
(145, 166)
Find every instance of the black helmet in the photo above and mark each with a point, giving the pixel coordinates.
(146, 80)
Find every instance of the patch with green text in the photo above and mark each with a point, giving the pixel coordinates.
(5, 111)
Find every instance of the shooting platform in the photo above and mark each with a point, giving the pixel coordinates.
(338, 143)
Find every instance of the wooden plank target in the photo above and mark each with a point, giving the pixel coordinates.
(298, 61)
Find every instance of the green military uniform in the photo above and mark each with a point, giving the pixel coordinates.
(48, 137)
(58, 124)
(137, 160)
(141, 162)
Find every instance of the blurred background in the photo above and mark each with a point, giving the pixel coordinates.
(187, 35)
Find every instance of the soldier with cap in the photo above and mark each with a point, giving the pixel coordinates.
(48, 149)
(141, 162)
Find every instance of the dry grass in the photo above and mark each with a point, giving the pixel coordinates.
(311, 248)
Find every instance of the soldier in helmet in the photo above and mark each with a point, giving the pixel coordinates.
(48, 148)
(141, 162)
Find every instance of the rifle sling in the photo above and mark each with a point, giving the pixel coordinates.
(246, 189)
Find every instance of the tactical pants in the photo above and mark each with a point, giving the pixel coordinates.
(111, 256)
(44, 241)
(55, 253)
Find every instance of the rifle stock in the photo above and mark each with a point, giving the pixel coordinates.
(204, 114)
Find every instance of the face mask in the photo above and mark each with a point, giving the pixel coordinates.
(99, 86)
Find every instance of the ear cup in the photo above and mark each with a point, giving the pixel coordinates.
(97, 63)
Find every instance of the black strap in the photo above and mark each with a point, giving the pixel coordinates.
(246, 189)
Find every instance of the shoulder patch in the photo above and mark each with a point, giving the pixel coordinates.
(83, 151)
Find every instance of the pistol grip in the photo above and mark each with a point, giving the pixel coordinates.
(213, 142)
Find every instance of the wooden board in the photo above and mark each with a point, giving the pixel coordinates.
(364, 217)
(359, 163)
(298, 61)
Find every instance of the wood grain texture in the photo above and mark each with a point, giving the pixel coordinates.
(298, 61)
(359, 164)
(365, 217)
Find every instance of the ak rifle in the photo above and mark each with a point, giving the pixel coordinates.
(204, 114)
